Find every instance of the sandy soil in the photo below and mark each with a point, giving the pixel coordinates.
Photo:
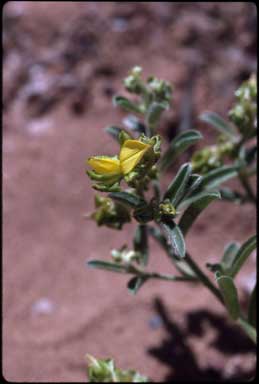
(62, 64)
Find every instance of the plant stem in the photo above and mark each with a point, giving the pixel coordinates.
(247, 187)
(203, 278)
(160, 276)
(154, 275)
(247, 328)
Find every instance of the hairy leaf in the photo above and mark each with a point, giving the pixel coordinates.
(134, 124)
(180, 264)
(242, 255)
(126, 104)
(229, 255)
(218, 176)
(114, 131)
(106, 265)
(175, 237)
(180, 143)
(126, 198)
(154, 112)
(177, 188)
(220, 124)
(230, 296)
(195, 208)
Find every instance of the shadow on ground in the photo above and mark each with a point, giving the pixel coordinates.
(176, 352)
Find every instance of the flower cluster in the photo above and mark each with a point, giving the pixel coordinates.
(244, 112)
(110, 213)
(135, 161)
(211, 157)
(104, 371)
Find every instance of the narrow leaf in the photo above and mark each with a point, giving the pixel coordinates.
(180, 143)
(135, 284)
(141, 243)
(195, 208)
(175, 238)
(249, 329)
(126, 104)
(217, 122)
(245, 250)
(177, 188)
(229, 195)
(218, 176)
(126, 198)
(193, 185)
(106, 265)
(154, 112)
(134, 124)
(180, 265)
(252, 308)
(230, 296)
(114, 131)
(229, 255)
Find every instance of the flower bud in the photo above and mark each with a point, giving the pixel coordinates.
(110, 213)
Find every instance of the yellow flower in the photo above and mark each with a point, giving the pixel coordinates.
(105, 165)
(131, 154)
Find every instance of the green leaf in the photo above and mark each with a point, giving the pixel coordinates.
(134, 124)
(229, 195)
(175, 238)
(185, 203)
(180, 265)
(230, 296)
(193, 185)
(141, 243)
(154, 112)
(135, 284)
(218, 176)
(245, 250)
(114, 131)
(126, 104)
(126, 198)
(177, 188)
(248, 328)
(229, 255)
(180, 143)
(252, 308)
(195, 208)
(220, 124)
(108, 266)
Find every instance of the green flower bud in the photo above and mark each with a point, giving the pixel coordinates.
(104, 371)
(110, 213)
(166, 209)
(244, 112)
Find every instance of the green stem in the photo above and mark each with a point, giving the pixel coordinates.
(160, 276)
(203, 278)
(154, 275)
(247, 187)
(247, 328)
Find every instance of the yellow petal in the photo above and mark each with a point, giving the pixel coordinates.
(131, 153)
(105, 165)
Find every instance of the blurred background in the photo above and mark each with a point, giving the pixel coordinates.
(62, 63)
